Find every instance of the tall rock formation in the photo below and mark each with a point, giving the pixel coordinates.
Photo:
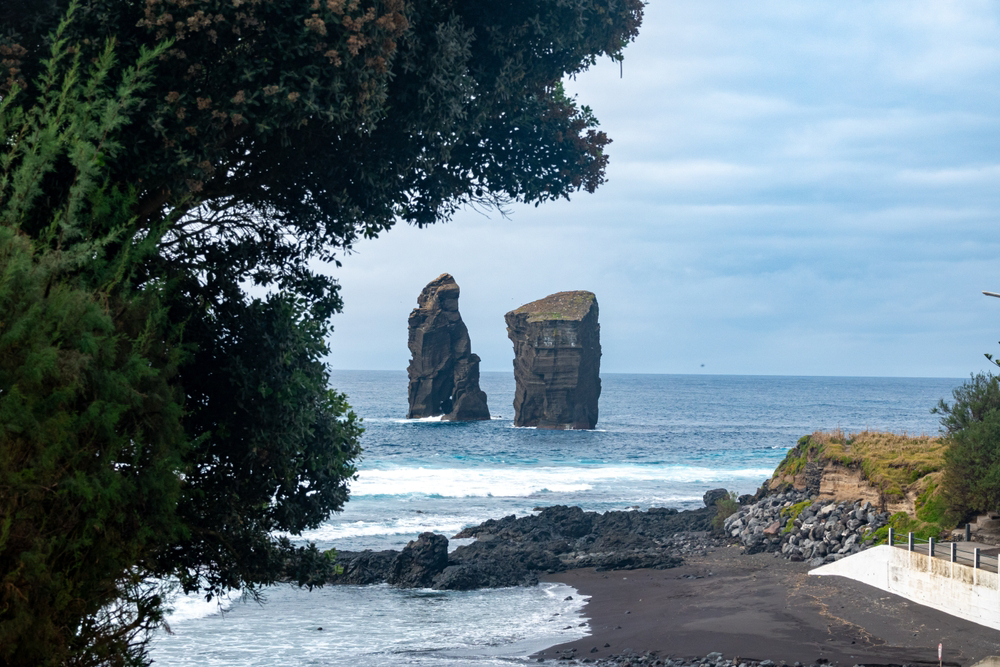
(557, 361)
(444, 373)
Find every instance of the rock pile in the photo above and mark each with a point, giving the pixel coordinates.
(444, 373)
(557, 361)
(795, 524)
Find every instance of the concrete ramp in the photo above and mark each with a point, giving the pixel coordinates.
(989, 661)
(960, 590)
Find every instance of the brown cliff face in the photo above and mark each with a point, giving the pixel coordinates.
(444, 373)
(557, 361)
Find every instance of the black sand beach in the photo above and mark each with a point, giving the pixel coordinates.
(758, 607)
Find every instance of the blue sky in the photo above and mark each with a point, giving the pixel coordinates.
(795, 188)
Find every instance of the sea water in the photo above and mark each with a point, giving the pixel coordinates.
(661, 441)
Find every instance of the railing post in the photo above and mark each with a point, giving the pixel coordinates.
(909, 541)
(975, 558)
(930, 547)
(954, 552)
(892, 537)
(968, 532)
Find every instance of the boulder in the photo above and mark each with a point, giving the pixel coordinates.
(557, 361)
(713, 495)
(444, 373)
(364, 567)
(420, 561)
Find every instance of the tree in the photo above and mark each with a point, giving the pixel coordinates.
(283, 130)
(91, 439)
(270, 135)
(972, 461)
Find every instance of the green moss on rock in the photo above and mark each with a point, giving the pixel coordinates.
(559, 306)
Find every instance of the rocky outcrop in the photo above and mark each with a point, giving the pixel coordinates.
(557, 361)
(889, 470)
(830, 481)
(515, 551)
(444, 373)
(420, 561)
(365, 567)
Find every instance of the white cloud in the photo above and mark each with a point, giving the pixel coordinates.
(796, 188)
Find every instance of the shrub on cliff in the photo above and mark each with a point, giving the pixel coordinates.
(725, 507)
(972, 462)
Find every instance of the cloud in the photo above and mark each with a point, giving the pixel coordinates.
(794, 188)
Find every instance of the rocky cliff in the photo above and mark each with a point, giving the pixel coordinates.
(444, 373)
(557, 361)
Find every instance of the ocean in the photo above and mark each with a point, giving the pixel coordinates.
(661, 441)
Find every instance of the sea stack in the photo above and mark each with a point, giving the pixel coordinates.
(444, 373)
(557, 361)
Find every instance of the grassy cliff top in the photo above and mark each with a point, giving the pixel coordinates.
(899, 466)
(889, 461)
(559, 306)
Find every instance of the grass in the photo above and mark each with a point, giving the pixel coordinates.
(894, 464)
(902, 523)
(559, 306)
(891, 462)
(793, 512)
(808, 448)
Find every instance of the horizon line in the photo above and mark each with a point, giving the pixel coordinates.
(761, 375)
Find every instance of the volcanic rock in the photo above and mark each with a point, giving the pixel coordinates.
(444, 373)
(557, 361)
(420, 561)
(801, 527)
(516, 551)
(364, 567)
(713, 496)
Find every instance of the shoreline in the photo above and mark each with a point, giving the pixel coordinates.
(755, 608)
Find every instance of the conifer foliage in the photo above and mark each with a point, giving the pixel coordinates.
(90, 425)
(972, 462)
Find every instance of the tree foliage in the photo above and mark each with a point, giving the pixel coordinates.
(275, 446)
(972, 461)
(90, 424)
(160, 157)
(286, 129)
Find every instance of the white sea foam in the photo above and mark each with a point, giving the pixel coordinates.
(421, 420)
(523, 481)
(371, 626)
(190, 607)
(391, 526)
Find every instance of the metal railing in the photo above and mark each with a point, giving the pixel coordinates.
(962, 553)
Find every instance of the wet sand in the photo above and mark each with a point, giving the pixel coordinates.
(759, 607)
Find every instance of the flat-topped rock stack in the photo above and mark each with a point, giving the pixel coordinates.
(444, 373)
(557, 361)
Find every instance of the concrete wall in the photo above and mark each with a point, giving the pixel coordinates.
(955, 589)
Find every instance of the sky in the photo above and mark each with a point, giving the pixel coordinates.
(795, 188)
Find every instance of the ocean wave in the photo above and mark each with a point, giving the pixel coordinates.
(336, 530)
(421, 420)
(524, 481)
(193, 606)
(397, 626)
